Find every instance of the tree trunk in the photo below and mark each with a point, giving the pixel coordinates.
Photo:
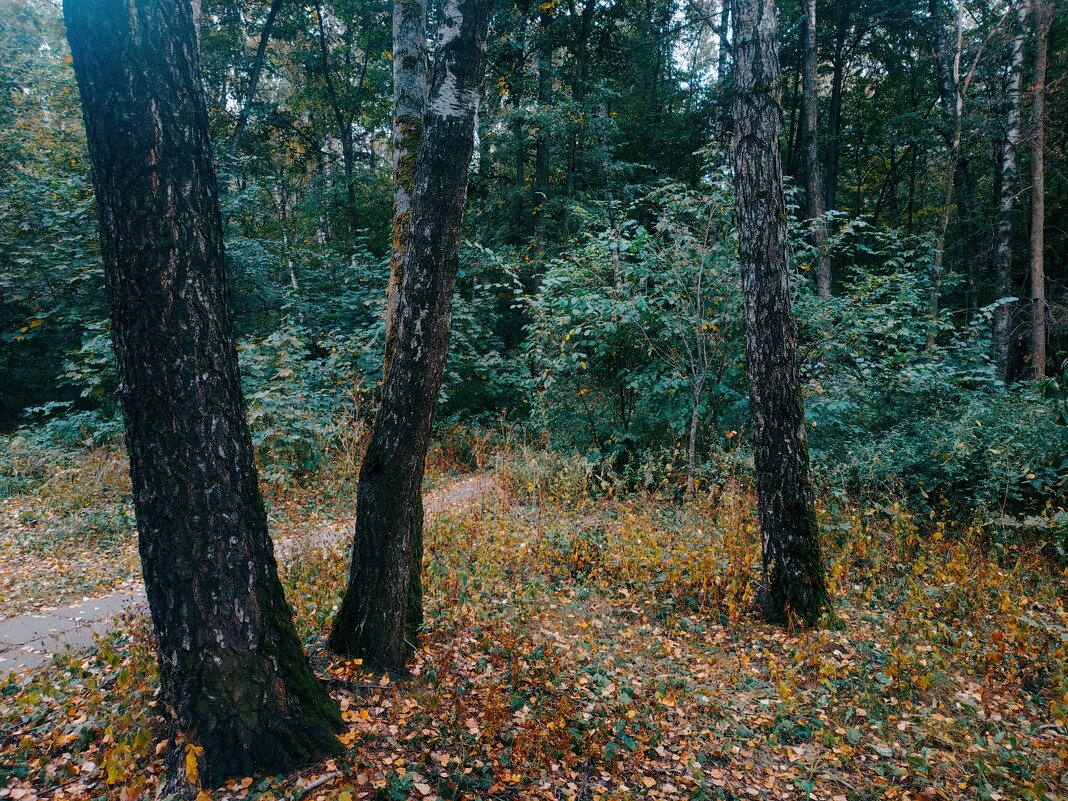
(1009, 176)
(793, 585)
(969, 233)
(409, 105)
(813, 182)
(723, 96)
(578, 98)
(1043, 19)
(697, 386)
(947, 62)
(375, 611)
(343, 121)
(793, 133)
(834, 116)
(541, 144)
(518, 130)
(254, 76)
(232, 671)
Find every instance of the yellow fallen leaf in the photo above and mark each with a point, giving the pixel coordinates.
(192, 772)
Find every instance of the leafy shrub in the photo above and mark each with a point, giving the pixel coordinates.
(890, 414)
(634, 337)
(305, 400)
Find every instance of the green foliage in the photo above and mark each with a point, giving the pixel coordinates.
(303, 397)
(632, 329)
(890, 415)
(51, 279)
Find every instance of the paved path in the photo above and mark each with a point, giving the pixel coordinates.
(29, 640)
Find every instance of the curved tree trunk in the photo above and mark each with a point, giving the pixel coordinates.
(409, 106)
(372, 619)
(231, 667)
(793, 572)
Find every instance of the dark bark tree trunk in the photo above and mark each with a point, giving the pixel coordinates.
(578, 98)
(723, 95)
(947, 53)
(409, 105)
(376, 611)
(1042, 20)
(254, 76)
(793, 133)
(793, 586)
(231, 667)
(814, 209)
(1009, 176)
(964, 195)
(834, 116)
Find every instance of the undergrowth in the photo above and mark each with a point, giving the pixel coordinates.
(580, 645)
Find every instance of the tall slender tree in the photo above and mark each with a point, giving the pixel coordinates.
(793, 585)
(232, 670)
(1010, 171)
(541, 143)
(814, 208)
(1043, 17)
(254, 75)
(372, 619)
(409, 105)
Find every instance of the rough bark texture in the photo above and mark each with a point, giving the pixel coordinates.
(1009, 178)
(231, 667)
(813, 181)
(1043, 18)
(409, 105)
(389, 516)
(793, 573)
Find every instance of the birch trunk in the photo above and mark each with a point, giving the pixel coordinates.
(232, 671)
(1043, 19)
(381, 606)
(409, 105)
(1009, 180)
(793, 584)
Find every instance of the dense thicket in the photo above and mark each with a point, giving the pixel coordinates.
(598, 291)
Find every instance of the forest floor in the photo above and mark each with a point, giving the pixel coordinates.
(33, 637)
(594, 647)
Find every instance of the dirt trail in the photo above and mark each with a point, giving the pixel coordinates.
(29, 640)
